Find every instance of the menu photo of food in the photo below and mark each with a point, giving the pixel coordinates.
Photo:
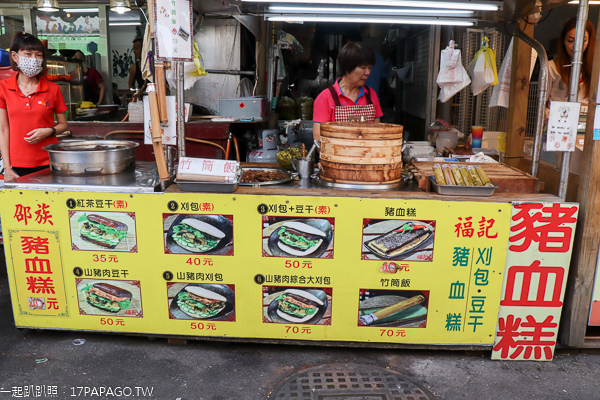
(201, 301)
(393, 308)
(297, 305)
(103, 231)
(109, 297)
(297, 237)
(397, 239)
(198, 234)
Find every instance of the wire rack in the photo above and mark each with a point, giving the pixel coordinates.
(532, 102)
(417, 51)
(469, 110)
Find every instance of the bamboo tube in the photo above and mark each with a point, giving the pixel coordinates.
(154, 116)
(393, 309)
(159, 154)
(150, 6)
(161, 89)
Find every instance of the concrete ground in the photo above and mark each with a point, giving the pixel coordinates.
(217, 371)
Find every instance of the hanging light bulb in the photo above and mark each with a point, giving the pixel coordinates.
(47, 5)
(120, 6)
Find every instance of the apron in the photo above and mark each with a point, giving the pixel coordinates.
(357, 113)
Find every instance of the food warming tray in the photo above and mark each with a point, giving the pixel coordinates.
(92, 157)
(451, 190)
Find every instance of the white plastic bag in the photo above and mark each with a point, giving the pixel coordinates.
(501, 92)
(452, 77)
(482, 79)
(450, 66)
(483, 68)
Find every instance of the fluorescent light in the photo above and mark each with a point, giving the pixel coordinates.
(80, 10)
(374, 20)
(487, 6)
(124, 23)
(380, 11)
(591, 3)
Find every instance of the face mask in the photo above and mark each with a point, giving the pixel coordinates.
(30, 66)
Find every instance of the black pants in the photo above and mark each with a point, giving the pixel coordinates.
(27, 171)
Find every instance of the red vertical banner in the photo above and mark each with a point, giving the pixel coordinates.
(537, 266)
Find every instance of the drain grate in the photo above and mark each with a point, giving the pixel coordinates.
(349, 382)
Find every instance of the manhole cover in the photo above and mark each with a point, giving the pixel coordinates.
(349, 382)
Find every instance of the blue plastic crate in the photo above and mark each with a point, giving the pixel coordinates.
(4, 58)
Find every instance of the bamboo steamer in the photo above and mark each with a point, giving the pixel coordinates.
(354, 152)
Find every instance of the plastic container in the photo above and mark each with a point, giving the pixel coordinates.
(447, 139)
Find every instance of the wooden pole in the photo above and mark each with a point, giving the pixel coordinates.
(578, 294)
(519, 96)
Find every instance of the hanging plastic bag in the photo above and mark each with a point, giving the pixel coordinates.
(501, 92)
(452, 77)
(192, 71)
(490, 61)
(450, 65)
(478, 76)
(483, 68)
(198, 61)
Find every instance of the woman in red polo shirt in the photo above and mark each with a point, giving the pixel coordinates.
(349, 96)
(28, 103)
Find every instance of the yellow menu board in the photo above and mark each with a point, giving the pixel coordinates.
(275, 267)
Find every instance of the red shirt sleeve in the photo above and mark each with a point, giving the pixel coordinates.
(322, 107)
(2, 96)
(375, 100)
(59, 102)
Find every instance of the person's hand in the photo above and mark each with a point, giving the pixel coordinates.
(37, 135)
(9, 174)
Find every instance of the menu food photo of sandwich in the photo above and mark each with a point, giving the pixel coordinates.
(396, 239)
(296, 305)
(198, 234)
(109, 231)
(213, 302)
(393, 308)
(298, 237)
(109, 297)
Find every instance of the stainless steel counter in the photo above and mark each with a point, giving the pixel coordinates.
(144, 179)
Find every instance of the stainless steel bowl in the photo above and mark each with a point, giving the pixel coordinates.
(92, 157)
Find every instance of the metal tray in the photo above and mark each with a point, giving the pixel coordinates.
(214, 187)
(451, 190)
(290, 176)
(361, 186)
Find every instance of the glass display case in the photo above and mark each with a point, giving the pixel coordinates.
(67, 73)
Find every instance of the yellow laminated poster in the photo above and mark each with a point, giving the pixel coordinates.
(255, 266)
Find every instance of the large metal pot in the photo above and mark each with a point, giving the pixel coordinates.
(92, 157)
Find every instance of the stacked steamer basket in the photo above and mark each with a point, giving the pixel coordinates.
(361, 153)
